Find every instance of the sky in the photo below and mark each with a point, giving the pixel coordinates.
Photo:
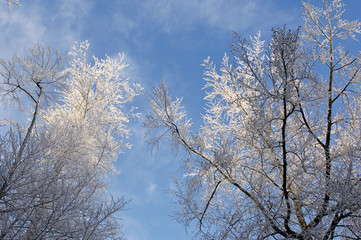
(161, 40)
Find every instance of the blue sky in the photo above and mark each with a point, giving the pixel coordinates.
(161, 39)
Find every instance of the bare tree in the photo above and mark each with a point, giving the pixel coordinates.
(53, 172)
(278, 156)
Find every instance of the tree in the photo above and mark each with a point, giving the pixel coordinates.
(11, 3)
(53, 172)
(278, 155)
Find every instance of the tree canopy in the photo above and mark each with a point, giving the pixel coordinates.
(54, 167)
(278, 155)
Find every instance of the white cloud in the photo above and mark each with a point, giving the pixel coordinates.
(68, 23)
(36, 22)
(19, 30)
(151, 190)
(173, 15)
(223, 15)
(124, 24)
(32, 23)
(133, 228)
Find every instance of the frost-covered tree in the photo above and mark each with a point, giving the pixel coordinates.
(53, 167)
(11, 3)
(279, 153)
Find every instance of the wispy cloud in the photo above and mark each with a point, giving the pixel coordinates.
(67, 24)
(33, 22)
(173, 15)
(134, 228)
(178, 16)
(151, 190)
(19, 30)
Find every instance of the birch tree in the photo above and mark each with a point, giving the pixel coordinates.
(53, 167)
(278, 155)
